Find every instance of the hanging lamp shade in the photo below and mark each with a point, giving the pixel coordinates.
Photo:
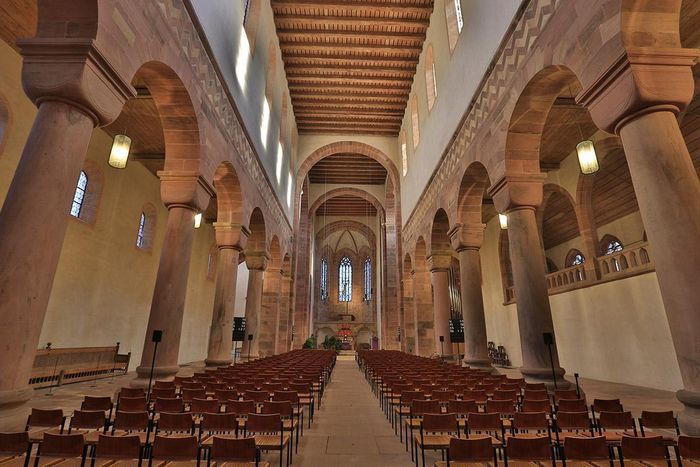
(587, 159)
(198, 220)
(503, 220)
(119, 155)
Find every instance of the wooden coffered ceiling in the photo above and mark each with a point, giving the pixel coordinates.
(350, 63)
(348, 169)
(347, 205)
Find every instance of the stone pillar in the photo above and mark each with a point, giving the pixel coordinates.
(168, 304)
(257, 263)
(467, 240)
(438, 266)
(641, 104)
(283, 313)
(230, 240)
(519, 196)
(73, 95)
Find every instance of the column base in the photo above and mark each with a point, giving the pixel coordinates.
(210, 363)
(544, 375)
(478, 363)
(160, 373)
(15, 397)
(689, 418)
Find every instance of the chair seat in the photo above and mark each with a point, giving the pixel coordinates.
(614, 437)
(239, 464)
(209, 439)
(402, 410)
(517, 463)
(62, 461)
(463, 464)
(433, 441)
(17, 461)
(413, 422)
(270, 442)
(192, 463)
(648, 463)
(290, 424)
(142, 435)
(90, 436)
(36, 435)
(116, 463)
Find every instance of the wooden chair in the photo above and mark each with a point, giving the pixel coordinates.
(469, 452)
(529, 451)
(605, 405)
(538, 405)
(199, 406)
(651, 421)
(565, 394)
(125, 449)
(172, 405)
(641, 451)
(164, 385)
(289, 421)
(90, 423)
(132, 404)
(15, 449)
(487, 424)
(531, 424)
(418, 408)
(241, 409)
(613, 425)
(174, 424)
(136, 423)
(183, 450)
(242, 452)
(131, 392)
(98, 403)
(689, 449)
(576, 424)
(462, 408)
(293, 398)
(42, 421)
(578, 449)
(505, 408)
(403, 408)
(166, 393)
(224, 425)
(572, 405)
(189, 394)
(69, 450)
(225, 394)
(268, 432)
(435, 433)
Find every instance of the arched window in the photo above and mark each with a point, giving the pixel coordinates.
(414, 122)
(324, 279)
(455, 21)
(574, 258)
(345, 280)
(430, 77)
(251, 15)
(79, 195)
(404, 154)
(610, 245)
(368, 280)
(139, 234)
(147, 223)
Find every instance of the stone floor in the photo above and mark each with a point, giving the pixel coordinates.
(349, 428)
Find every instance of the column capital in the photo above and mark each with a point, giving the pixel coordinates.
(257, 260)
(641, 80)
(73, 70)
(467, 236)
(439, 262)
(517, 191)
(184, 189)
(231, 236)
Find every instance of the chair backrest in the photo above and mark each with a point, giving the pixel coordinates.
(617, 421)
(689, 447)
(118, 447)
(225, 394)
(175, 422)
(573, 421)
(219, 422)
(409, 396)
(419, 407)
(504, 407)
(180, 448)
(164, 385)
(291, 396)
(191, 385)
(55, 445)
(580, 448)
(132, 404)
(189, 394)
(488, 422)
(639, 448)
(131, 421)
(257, 396)
(511, 395)
(163, 392)
(205, 405)
(528, 449)
(462, 407)
(88, 419)
(607, 405)
(530, 421)
(479, 395)
(473, 449)
(14, 444)
(564, 394)
(284, 408)
(440, 423)
(171, 405)
(46, 418)
(542, 405)
(233, 449)
(664, 420)
(96, 403)
(535, 394)
(572, 405)
(444, 395)
(131, 392)
(240, 407)
(263, 423)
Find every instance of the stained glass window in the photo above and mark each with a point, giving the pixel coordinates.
(458, 14)
(345, 280)
(79, 195)
(142, 229)
(324, 279)
(368, 280)
(611, 245)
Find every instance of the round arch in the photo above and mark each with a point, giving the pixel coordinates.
(257, 240)
(472, 189)
(439, 240)
(347, 191)
(229, 198)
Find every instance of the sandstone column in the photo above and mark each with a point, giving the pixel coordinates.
(73, 95)
(641, 104)
(257, 263)
(231, 241)
(518, 196)
(467, 240)
(168, 304)
(438, 266)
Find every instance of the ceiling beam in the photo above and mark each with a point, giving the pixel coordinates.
(361, 99)
(342, 83)
(327, 56)
(293, 33)
(291, 66)
(325, 92)
(356, 49)
(362, 74)
(354, 21)
(370, 6)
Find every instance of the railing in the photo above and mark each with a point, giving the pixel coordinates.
(629, 262)
(54, 367)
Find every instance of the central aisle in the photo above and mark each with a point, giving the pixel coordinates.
(350, 428)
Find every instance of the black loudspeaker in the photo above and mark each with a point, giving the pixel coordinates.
(442, 338)
(250, 337)
(548, 338)
(157, 335)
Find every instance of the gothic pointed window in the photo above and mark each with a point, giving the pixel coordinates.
(368, 280)
(141, 231)
(324, 279)
(574, 258)
(79, 195)
(345, 280)
(610, 245)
